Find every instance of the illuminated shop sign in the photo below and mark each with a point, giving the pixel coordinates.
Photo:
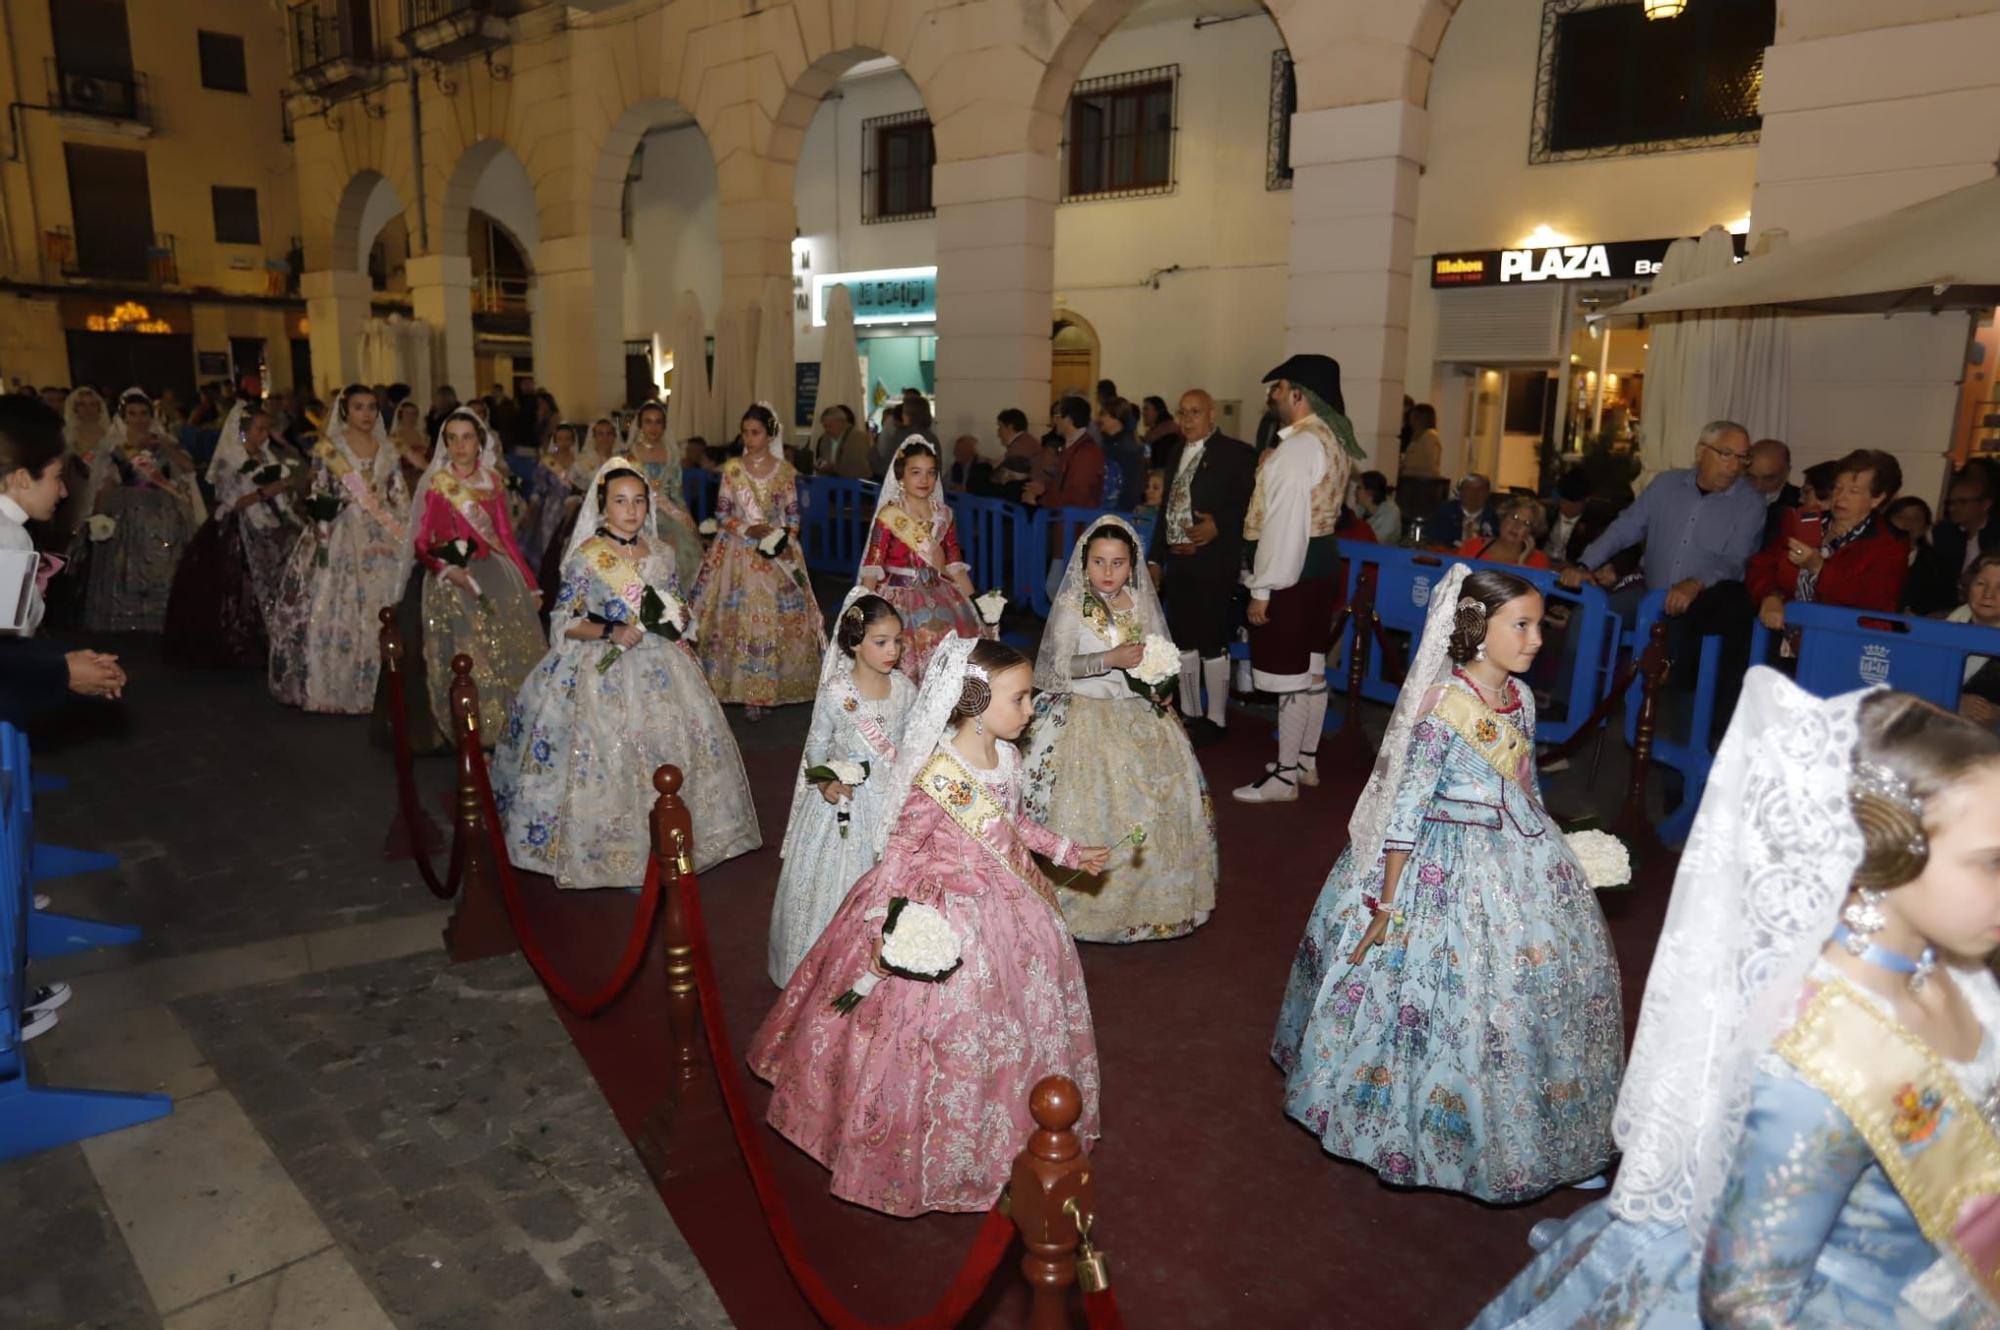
(1618, 260)
(888, 295)
(127, 316)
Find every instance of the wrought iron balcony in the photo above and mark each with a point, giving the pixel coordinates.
(333, 47)
(116, 98)
(452, 29)
(121, 261)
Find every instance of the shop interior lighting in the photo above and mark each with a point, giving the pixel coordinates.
(1544, 237)
(1739, 227)
(1664, 8)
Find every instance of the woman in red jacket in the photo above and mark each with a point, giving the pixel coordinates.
(1848, 556)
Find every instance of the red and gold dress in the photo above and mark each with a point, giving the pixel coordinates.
(760, 629)
(914, 558)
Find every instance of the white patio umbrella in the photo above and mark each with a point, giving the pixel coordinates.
(687, 409)
(1750, 376)
(840, 358)
(776, 382)
(398, 350)
(1681, 348)
(733, 390)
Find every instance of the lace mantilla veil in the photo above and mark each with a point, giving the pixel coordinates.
(588, 518)
(230, 454)
(103, 469)
(892, 488)
(928, 724)
(1065, 627)
(667, 439)
(833, 664)
(489, 460)
(1367, 827)
(70, 418)
(1761, 882)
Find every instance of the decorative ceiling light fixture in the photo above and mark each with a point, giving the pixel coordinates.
(1664, 8)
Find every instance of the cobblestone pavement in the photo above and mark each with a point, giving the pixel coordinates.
(448, 1135)
(64, 1263)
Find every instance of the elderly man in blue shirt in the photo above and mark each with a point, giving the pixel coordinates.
(1700, 528)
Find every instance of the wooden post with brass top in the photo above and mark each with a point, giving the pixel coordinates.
(1053, 1201)
(479, 926)
(1632, 823)
(402, 841)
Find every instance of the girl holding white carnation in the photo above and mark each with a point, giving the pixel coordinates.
(761, 633)
(843, 789)
(618, 695)
(145, 484)
(479, 595)
(1452, 1018)
(916, 1095)
(913, 558)
(1104, 758)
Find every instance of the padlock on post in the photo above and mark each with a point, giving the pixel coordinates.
(1093, 1270)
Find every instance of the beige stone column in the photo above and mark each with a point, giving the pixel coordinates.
(578, 311)
(441, 295)
(336, 307)
(1354, 208)
(996, 227)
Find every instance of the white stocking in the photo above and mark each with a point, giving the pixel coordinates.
(1190, 684)
(1215, 674)
(1291, 729)
(1315, 704)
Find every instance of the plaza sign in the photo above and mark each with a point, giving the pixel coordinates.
(1618, 260)
(887, 295)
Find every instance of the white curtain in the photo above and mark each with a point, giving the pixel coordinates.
(398, 350)
(687, 409)
(1729, 364)
(776, 382)
(840, 382)
(734, 389)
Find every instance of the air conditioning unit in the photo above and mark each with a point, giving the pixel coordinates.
(96, 96)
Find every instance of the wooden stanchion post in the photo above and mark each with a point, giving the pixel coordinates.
(685, 1131)
(1350, 748)
(402, 841)
(1632, 824)
(1050, 1187)
(478, 927)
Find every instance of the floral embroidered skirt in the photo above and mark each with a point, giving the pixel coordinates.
(1478, 1047)
(761, 632)
(503, 636)
(934, 610)
(132, 572)
(1096, 769)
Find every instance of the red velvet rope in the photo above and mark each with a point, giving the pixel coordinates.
(635, 945)
(1100, 1309)
(995, 1236)
(406, 796)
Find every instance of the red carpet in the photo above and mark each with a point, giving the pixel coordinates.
(1215, 1210)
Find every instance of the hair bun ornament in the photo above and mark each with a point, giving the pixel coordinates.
(974, 695)
(1895, 847)
(852, 614)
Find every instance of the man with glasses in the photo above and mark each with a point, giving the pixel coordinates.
(1770, 474)
(1197, 551)
(1699, 528)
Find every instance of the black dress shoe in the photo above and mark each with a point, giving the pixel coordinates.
(1201, 731)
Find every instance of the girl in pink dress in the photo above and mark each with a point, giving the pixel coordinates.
(917, 1098)
(914, 562)
(485, 605)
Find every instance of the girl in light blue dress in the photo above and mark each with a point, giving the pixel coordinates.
(1452, 1018)
(1808, 1123)
(857, 717)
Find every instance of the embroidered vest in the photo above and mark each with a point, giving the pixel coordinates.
(1327, 495)
(1932, 1141)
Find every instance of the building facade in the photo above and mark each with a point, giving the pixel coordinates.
(149, 227)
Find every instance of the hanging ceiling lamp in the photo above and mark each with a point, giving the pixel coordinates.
(1664, 8)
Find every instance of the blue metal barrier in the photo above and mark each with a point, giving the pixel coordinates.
(1403, 583)
(36, 1117)
(1841, 650)
(834, 518)
(994, 536)
(698, 487)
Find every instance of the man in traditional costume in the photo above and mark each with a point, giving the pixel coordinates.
(1295, 567)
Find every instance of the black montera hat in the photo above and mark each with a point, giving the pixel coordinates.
(1319, 373)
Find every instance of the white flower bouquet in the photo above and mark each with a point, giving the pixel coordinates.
(659, 612)
(850, 774)
(991, 606)
(773, 544)
(100, 527)
(1157, 673)
(1605, 859)
(917, 943)
(268, 470)
(709, 526)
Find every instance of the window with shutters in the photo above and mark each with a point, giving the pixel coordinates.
(897, 154)
(235, 215)
(1120, 132)
(222, 66)
(111, 209)
(1612, 81)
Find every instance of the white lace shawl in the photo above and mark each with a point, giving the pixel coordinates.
(1066, 637)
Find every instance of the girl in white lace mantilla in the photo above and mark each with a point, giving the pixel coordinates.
(834, 827)
(1103, 760)
(1808, 1123)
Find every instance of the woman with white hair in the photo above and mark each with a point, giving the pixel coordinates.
(143, 488)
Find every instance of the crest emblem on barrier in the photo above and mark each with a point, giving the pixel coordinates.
(1420, 590)
(1874, 664)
